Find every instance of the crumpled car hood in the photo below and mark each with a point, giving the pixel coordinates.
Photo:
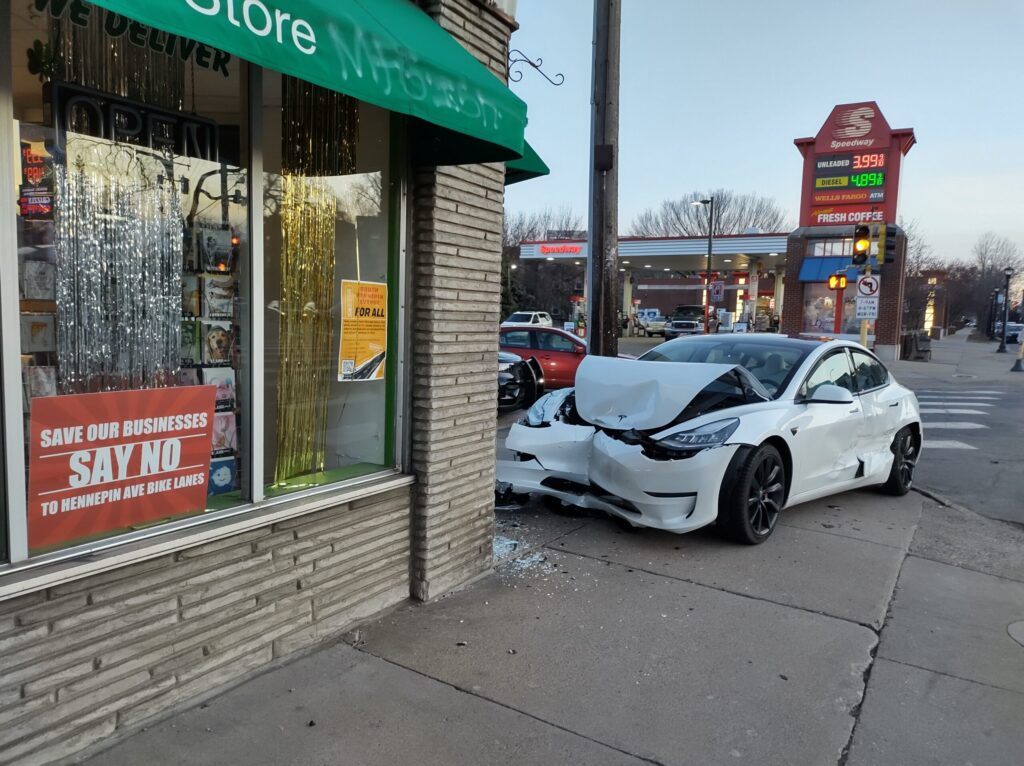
(624, 393)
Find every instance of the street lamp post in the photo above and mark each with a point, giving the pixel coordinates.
(710, 202)
(1008, 273)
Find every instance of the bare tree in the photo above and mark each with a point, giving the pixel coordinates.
(524, 227)
(734, 214)
(548, 286)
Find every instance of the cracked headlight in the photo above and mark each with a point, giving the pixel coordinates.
(708, 435)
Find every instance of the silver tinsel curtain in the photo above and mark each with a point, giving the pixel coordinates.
(118, 243)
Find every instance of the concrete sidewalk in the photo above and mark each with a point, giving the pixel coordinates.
(593, 645)
(869, 630)
(957, 361)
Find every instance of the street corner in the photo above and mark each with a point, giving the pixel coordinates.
(810, 566)
(643, 663)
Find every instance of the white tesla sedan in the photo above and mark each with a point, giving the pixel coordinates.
(726, 428)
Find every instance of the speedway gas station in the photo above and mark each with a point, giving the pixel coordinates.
(850, 179)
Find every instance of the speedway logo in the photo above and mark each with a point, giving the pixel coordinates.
(851, 125)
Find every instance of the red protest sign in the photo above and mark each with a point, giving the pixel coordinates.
(100, 462)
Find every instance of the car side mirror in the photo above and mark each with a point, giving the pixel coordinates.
(830, 394)
(579, 350)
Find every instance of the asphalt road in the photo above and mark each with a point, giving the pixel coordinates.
(974, 446)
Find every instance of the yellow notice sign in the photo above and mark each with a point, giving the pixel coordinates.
(364, 330)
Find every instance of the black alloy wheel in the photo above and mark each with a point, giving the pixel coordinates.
(905, 452)
(752, 495)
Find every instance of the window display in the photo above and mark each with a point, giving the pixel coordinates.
(132, 229)
(327, 270)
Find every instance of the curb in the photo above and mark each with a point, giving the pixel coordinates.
(947, 503)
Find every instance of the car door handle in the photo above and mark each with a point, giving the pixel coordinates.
(855, 410)
(894, 404)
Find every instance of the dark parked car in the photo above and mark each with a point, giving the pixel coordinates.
(520, 382)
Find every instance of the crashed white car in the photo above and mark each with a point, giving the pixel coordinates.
(718, 428)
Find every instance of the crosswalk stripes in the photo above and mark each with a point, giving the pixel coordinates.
(937, 405)
(946, 444)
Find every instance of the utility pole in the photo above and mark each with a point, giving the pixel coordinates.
(603, 226)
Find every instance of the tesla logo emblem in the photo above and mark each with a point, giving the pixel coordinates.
(621, 418)
(854, 123)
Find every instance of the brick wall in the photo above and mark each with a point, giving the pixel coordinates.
(793, 297)
(97, 657)
(457, 293)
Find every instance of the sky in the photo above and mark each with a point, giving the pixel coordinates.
(713, 93)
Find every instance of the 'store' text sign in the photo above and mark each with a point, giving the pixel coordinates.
(100, 462)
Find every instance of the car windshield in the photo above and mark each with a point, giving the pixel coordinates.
(520, 316)
(773, 364)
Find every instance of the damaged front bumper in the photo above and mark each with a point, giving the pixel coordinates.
(583, 466)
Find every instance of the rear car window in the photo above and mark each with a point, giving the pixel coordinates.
(516, 339)
(520, 317)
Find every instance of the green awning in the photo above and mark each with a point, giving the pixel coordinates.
(530, 166)
(384, 52)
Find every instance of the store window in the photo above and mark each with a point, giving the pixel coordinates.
(830, 247)
(820, 310)
(329, 351)
(133, 245)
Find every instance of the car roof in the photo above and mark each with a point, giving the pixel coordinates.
(767, 339)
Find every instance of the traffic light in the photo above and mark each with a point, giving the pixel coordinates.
(837, 282)
(861, 245)
(887, 243)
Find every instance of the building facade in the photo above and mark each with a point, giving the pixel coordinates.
(248, 352)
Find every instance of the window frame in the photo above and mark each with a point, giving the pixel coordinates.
(802, 394)
(258, 510)
(873, 358)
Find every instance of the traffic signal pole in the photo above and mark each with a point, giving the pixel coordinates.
(864, 322)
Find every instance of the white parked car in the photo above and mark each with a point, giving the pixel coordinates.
(536, 318)
(653, 325)
(718, 428)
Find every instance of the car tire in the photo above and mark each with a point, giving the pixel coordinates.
(905, 450)
(752, 495)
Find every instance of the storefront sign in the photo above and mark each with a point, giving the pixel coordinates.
(119, 119)
(101, 462)
(851, 168)
(364, 330)
(115, 25)
(548, 249)
(846, 214)
(35, 201)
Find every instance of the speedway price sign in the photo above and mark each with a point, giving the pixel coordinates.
(851, 168)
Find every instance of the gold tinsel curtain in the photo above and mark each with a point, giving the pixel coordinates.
(319, 134)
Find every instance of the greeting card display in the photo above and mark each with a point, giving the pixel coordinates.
(188, 376)
(223, 475)
(39, 281)
(40, 381)
(217, 339)
(38, 333)
(191, 305)
(224, 379)
(225, 434)
(219, 296)
(191, 342)
(215, 252)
